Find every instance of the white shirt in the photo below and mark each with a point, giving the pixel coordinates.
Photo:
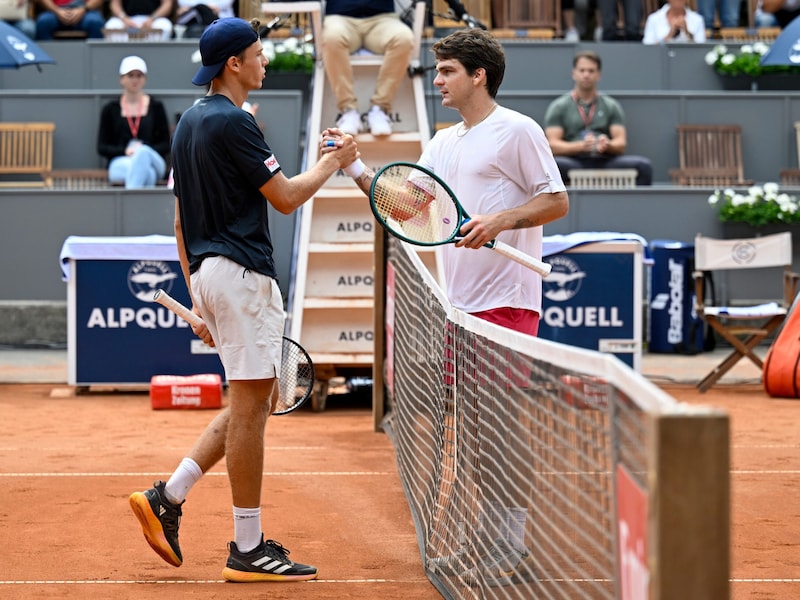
(657, 27)
(501, 163)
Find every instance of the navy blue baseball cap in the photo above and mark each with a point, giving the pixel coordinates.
(221, 40)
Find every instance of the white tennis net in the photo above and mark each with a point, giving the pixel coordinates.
(512, 451)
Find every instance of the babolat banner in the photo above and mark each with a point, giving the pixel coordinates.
(116, 332)
(593, 297)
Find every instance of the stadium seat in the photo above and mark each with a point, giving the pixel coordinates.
(709, 155)
(744, 327)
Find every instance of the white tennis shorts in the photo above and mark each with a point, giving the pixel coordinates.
(244, 313)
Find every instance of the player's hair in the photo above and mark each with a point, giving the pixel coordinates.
(475, 49)
(588, 55)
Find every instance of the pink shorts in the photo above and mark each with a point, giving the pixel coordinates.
(516, 319)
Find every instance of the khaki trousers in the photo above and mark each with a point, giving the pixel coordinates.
(382, 34)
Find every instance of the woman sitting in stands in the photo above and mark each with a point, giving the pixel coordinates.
(674, 22)
(134, 132)
(132, 16)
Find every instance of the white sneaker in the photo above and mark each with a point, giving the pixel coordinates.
(379, 122)
(572, 35)
(349, 122)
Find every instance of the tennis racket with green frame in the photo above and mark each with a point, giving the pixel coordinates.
(416, 206)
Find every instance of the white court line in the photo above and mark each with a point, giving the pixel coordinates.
(218, 473)
(766, 472)
(181, 448)
(188, 581)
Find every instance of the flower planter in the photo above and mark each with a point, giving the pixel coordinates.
(732, 230)
(765, 82)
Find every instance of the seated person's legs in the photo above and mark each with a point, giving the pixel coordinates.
(340, 39)
(565, 163)
(46, 24)
(644, 169)
(92, 23)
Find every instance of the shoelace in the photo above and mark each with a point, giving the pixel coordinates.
(281, 552)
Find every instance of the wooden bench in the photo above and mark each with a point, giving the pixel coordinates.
(709, 155)
(26, 153)
(602, 178)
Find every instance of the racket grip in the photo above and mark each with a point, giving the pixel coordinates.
(525, 260)
(164, 299)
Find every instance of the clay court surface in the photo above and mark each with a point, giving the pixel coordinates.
(332, 496)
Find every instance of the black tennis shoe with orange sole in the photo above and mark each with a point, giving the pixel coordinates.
(160, 520)
(269, 561)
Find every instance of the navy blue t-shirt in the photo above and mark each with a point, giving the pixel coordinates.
(221, 160)
(359, 8)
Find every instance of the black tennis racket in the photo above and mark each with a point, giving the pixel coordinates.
(416, 206)
(296, 380)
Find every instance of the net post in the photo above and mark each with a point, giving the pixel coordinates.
(689, 520)
(378, 327)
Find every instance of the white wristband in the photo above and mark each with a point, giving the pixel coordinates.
(355, 169)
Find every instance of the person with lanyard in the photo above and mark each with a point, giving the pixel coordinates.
(674, 22)
(586, 129)
(134, 131)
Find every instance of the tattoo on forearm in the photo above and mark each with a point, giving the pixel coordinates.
(524, 224)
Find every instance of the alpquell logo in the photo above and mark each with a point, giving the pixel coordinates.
(564, 280)
(146, 276)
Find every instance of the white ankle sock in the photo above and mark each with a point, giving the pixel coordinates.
(246, 528)
(185, 476)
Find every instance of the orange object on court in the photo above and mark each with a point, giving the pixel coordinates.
(189, 391)
(781, 372)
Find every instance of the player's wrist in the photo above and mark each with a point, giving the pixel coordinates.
(355, 169)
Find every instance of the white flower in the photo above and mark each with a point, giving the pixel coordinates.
(713, 198)
(755, 191)
(727, 59)
(711, 57)
(739, 199)
(760, 48)
(771, 188)
(746, 49)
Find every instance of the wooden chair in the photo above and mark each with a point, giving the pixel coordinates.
(744, 327)
(602, 178)
(26, 153)
(527, 14)
(709, 155)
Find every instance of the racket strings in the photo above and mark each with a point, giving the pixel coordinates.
(297, 376)
(415, 206)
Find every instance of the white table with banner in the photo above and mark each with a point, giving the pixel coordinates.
(116, 333)
(593, 296)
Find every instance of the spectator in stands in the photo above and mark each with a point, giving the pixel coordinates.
(586, 129)
(729, 11)
(674, 22)
(134, 15)
(609, 16)
(761, 18)
(577, 23)
(16, 13)
(134, 132)
(348, 26)
(70, 15)
(195, 16)
(784, 11)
